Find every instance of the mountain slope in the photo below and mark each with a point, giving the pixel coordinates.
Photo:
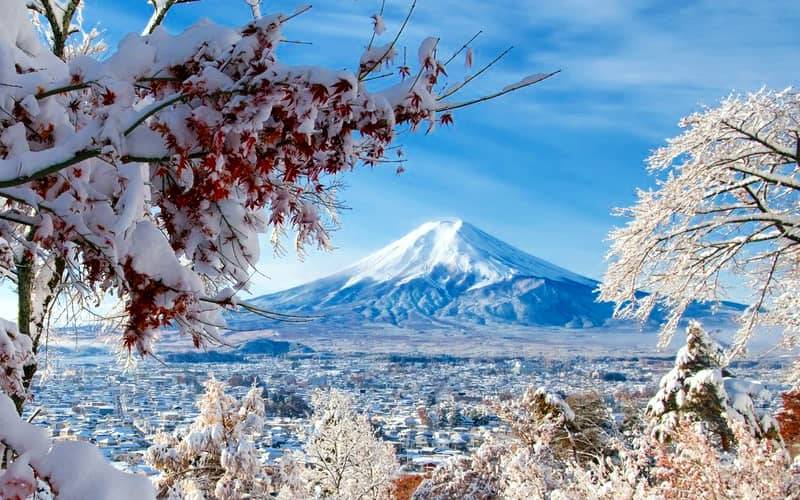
(446, 273)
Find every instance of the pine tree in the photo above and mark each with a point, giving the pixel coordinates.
(699, 388)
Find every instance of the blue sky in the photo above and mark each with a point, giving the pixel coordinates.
(543, 167)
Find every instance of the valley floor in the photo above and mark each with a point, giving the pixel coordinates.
(424, 389)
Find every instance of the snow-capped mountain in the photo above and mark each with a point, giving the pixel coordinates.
(451, 274)
(445, 273)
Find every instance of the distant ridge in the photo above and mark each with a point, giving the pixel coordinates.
(445, 274)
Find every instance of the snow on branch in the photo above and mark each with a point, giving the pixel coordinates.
(16, 352)
(73, 470)
(160, 9)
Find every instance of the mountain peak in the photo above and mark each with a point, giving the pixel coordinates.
(452, 248)
(443, 228)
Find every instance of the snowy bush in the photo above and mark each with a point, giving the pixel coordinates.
(577, 428)
(498, 469)
(689, 469)
(691, 466)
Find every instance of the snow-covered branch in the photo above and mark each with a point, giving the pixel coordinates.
(72, 469)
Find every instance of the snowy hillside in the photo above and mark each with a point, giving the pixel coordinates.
(446, 273)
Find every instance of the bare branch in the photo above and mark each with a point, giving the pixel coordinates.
(507, 90)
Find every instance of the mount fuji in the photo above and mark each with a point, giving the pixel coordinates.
(443, 274)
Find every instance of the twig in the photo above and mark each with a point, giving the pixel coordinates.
(496, 94)
(297, 42)
(377, 77)
(35, 413)
(61, 90)
(365, 71)
(463, 47)
(460, 86)
(372, 38)
(153, 110)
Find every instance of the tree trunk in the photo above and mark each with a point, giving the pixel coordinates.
(25, 274)
(34, 327)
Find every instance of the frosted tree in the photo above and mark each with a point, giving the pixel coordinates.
(148, 175)
(533, 414)
(575, 431)
(476, 477)
(215, 457)
(592, 427)
(725, 210)
(342, 457)
(699, 389)
(693, 468)
(546, 436)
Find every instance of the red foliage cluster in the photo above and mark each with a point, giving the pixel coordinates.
(789, 419)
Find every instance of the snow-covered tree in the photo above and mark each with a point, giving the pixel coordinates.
(534, 413)
(499, 468)
(691, 467)
(148, 175)
(699, 389)
(592, 426)
(475, 477)
(630, 403)
(215, 457)
(725, 211)
(342, 458)
(546, 436)
(541, 419)
(682, 462)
